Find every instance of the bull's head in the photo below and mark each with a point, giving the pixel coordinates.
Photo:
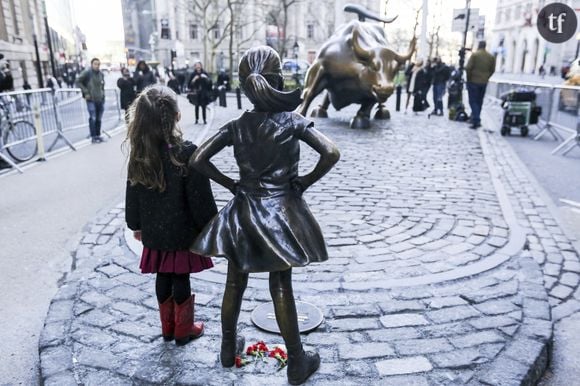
(381, 62)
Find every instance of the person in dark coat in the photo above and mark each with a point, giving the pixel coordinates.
(167, 205)
(127, 86)
(143, 76)
(223, 79)
(441, 74)
(200, 86)
(420, 83)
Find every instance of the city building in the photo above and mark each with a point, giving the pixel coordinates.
(24, 30)
(517, 44)
(217, 32)
(21, 27)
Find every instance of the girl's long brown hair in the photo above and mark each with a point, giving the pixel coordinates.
(153, 129)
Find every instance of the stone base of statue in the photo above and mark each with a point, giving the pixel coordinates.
(319, 112)
(382, 112)
(309, 317)
(360, 122)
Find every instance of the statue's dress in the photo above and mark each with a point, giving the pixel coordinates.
(267, 226)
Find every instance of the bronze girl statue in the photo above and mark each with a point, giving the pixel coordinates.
(267, 226)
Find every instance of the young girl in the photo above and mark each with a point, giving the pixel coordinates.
(167, 205)
(267, 227)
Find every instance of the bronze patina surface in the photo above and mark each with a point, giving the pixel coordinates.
(354, 66)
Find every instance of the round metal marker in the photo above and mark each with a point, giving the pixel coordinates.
(309, 317)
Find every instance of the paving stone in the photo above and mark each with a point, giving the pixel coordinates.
(505, 372)
(55, 360)
(561, 291)
(526, 351)
(403, 320)
(495, 307)
(451, 314)
(400, 366)
(476, 339)
(570, 279)
(398, 306)
(350, 324)
(362, 310)
(492, 322)
(441, 302)
(112, 270)
(364, 351)
(458, 359)
(422, 346)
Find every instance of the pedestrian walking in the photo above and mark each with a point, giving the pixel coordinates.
(92, 84)
(420, 83)
(480, 67)
(200, 86)
(267, 226)
(143, 76)
(126, 85)
(441, 74)
(7, 81)
(166, 206)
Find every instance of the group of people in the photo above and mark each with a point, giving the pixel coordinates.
(92, 84)
(266, 227)
(420, 77)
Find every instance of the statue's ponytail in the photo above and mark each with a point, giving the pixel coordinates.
(261, 79)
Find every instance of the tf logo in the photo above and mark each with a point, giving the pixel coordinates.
(557, 22)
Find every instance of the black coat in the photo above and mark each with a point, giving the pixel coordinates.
(144, 79)
(171, 220)
(127, 87)
(201, 87)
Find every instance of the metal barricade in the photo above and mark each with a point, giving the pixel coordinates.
(560, 109)
(61, 114)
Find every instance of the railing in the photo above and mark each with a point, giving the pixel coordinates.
(560, 109)
(60, 115)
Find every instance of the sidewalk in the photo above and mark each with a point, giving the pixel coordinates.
(441, 258)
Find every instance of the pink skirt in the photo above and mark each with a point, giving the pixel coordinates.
(153, 261)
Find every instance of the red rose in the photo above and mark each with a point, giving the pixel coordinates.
(239, 362)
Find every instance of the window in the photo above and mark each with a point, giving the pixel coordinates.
(216, 32)
(193, 34)
(498, 17)
(507, 14)
(310, 31)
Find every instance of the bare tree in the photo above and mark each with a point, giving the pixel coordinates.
(278, 16)
(215, 26)
(239, 20)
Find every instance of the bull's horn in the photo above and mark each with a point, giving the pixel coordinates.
(359, 52)
(365, 13)
(403, 58)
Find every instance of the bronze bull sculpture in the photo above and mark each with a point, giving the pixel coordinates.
(354, 66)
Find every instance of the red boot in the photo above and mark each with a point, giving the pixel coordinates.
(185, 328)
(167, 314)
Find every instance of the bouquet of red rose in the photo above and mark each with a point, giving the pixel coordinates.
(261, 350)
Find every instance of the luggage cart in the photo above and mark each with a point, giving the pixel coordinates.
(520, 111)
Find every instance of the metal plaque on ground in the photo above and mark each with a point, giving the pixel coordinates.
(309, 317)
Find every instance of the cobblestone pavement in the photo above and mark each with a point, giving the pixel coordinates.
(444, 265)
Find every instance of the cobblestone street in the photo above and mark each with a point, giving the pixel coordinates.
(446, 267)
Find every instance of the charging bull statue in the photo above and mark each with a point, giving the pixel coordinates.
(354, 66)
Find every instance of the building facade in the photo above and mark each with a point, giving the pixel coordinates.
(20, 25)
(517, 44)
(175, 32)
(25, 29)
